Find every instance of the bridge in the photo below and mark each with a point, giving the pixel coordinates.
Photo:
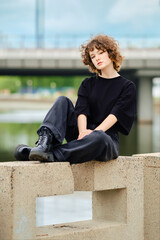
(140, 65)
(68, 61)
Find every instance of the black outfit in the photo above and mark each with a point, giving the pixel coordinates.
(97, 98)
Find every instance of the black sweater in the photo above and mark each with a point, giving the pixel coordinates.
(98, 97)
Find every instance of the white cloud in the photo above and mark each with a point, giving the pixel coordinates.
(66, 16)
(124, 10)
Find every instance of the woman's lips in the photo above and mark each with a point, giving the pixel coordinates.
(99, 63)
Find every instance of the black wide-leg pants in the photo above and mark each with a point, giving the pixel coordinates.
(62, 121)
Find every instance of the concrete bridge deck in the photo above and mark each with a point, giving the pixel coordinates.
(16, 60)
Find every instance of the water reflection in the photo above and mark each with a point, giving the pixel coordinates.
(23, 116)
(12, 134)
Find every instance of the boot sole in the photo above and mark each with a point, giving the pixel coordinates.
(41, 156)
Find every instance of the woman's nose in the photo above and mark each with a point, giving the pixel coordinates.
(97, 58)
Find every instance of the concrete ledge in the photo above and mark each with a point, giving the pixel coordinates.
(87, 230)
(157, 154)
(96, 176)
(125, 198)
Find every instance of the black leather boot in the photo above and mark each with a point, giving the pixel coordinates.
(22, 152)
(42, 151)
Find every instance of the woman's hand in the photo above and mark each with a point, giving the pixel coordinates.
(84, 133)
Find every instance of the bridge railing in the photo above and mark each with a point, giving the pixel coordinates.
(73, 41)
(125, 198)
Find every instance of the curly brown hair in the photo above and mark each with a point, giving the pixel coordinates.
(104, 43)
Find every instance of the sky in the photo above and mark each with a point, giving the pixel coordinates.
(117, 18)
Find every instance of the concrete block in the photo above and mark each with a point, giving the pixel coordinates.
(135, 199)
(96, 176)
(125, 198)
(117, 202)
(152, 198)
(125, 191)
(110, 205)
(20, 184)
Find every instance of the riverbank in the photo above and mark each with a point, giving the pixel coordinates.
(29, 102)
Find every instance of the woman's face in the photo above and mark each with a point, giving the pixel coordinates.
(100, 59)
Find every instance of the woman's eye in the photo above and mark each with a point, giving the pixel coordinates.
(101, 52)
(92, 57)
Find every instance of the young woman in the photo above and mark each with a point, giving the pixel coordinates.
(106, 105)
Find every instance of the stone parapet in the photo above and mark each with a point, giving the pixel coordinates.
(125, 198)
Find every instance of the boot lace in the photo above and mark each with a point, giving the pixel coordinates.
(44, 138)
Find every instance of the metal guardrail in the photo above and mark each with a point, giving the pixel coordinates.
(72, 41)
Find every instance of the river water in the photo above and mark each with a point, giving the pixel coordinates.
(20, 127)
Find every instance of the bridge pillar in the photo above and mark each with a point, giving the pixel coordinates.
(145, 104)
(145, 138)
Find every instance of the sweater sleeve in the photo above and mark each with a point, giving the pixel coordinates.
(125, 108)
(82, 105)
